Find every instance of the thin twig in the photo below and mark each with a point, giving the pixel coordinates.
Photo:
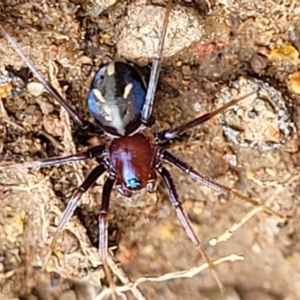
(229, 232)
(191, 272)
(132, 286)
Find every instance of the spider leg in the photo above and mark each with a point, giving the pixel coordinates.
(48, 86)
(75, 200)
(97, 151)
(103, 223)
(166, 135)
(156, 65)
(183, 166)
(166, 176)
(103, 229)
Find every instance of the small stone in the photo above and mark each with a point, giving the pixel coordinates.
(272, 228)
(179, 63)
(15, 227)
(264, 51)
(31, 115)
(294, 82)
(95, 7)
(45, 106)
(256, 248)
(35, 88)
(5, 89)
(258, 63)
(231, 159)
(140, 31)
(53, 125)
(186, 71)
(286, 53)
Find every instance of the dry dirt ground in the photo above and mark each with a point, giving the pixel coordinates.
(222, 49)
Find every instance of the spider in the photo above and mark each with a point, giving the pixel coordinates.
(133, 157)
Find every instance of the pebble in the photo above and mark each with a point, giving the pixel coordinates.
(35, 88)
(294, 82)
(140, 31)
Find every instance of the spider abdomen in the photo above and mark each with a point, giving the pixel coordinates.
(116, 98)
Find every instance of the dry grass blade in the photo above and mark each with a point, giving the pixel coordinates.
(132, 286)
(230, 232)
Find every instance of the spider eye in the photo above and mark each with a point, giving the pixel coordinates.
(132, 184)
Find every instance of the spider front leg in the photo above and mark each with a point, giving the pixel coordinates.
(155, 70)
(184, 219)
(48, 86)
(103, 229)
(103, 223)
(75, 200)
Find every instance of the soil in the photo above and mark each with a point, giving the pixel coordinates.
(231, 48)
